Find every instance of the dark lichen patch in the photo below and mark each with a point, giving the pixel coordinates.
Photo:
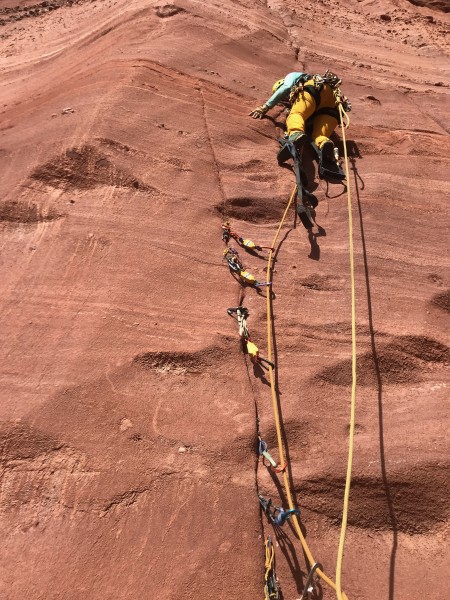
(23, 442)
(324, 283)
(253, 210)
(442, 300)
(85, 168)
(181, 362)
(421, 347)
(27, 213)
(401, 361)
(406, 502)
(168, 10)
(393, 367)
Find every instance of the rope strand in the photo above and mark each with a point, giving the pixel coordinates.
(276, 412)
(348, 478)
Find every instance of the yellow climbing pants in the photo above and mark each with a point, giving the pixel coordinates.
(304, 108)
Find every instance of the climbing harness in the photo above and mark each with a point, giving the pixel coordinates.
(263, 451)
(331, 79)
(313, 86)
(298, 88)
(227, 234)
(271, 585)
(309, 588)
(232, 257)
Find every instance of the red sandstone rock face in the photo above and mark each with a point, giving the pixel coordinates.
(128, 413)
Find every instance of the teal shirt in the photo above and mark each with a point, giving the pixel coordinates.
(283, 92)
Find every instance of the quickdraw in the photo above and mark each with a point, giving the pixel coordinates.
(253, 351)
(276, 514)
(249, 347)
(241, 316)
(271, 584)
(227, 234)
(263, 451)
(234, 262)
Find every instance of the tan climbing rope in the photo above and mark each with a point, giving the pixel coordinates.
(276, 411)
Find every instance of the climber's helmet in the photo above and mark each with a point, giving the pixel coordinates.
(277, 85)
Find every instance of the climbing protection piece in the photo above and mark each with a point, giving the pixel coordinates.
(263, 451)
(253, 351)
(227, 234)
(232, 257)
(241, 316)
(271, 585)
(248, 346)
(276, 515)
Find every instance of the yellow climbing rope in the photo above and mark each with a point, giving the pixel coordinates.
(276, 411)
(348, 478)
(335, 586)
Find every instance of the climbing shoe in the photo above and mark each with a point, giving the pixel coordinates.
(327, 151)
(298, 138)
(305, 216)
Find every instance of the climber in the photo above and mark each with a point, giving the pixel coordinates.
(311, 97)
(281, 91)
